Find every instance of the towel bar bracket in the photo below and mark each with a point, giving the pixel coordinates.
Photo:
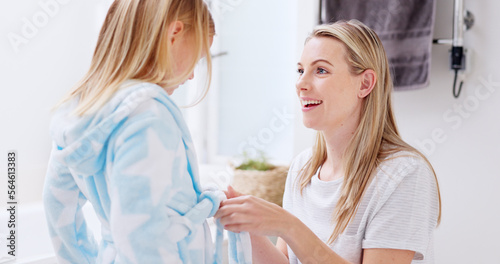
(469, 20)
(462, 21)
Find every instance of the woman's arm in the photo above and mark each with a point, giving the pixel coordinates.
(261, 218)
(307, 246)
(310, 249)
(264, 251)
(387, 255)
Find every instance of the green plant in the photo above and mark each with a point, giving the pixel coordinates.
(260, 163)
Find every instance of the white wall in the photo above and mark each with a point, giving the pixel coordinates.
(45, 47)
(256, 78)
(460, 136)
(466, 156)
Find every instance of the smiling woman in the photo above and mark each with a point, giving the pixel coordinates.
(361, 194)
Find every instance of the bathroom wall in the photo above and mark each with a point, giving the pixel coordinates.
(459, 136)
(45, 47)
(256, 78)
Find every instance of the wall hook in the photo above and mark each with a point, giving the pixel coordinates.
(469, 20)
(461, 21)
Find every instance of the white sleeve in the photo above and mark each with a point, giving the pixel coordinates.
(408, 214)
(291, 179)
(287, 194)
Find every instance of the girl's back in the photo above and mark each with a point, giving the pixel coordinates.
(134, 161)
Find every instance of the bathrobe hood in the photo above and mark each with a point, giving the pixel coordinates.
(81, 142)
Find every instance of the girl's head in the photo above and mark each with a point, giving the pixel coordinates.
(157, 41)
(345, 82)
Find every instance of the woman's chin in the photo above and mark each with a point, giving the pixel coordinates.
(309, 124)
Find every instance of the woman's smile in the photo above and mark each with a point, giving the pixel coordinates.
(309, 104)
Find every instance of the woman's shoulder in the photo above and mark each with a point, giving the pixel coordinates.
(403, 165)
(404, 159)
(301, 159)
(298, 163)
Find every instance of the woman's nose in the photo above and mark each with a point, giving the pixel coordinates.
(302, 83)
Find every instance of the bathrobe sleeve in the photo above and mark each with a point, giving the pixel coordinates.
(147, 154)
(63, 201)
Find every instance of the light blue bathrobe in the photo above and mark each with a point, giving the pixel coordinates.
(135, 162)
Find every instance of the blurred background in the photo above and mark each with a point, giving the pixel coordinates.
(46, 46)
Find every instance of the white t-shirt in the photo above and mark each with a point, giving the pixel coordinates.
(399, 209)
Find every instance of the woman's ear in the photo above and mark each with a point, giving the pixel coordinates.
(368, 81)
(175, 29)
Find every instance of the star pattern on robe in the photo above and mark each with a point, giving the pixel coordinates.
(67, 215)
(96, 146)
(168, 256)
(157, 165)
(56, 243)
(122, 229)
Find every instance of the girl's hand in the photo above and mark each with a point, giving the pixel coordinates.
(254, 215)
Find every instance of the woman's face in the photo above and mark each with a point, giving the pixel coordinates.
(327, 90)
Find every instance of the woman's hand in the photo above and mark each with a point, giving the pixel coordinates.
(254, 215)
(232, 193)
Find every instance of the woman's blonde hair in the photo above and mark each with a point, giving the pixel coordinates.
(376, 137)
(134, 44)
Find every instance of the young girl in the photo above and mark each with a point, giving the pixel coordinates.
(361, 195)
(121, 143)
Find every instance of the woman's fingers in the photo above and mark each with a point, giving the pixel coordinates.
(227, 209)
(256, 213)
(252, 214)
(236, 200)
(236, 228)
(234, 214)
(240, 209)
(232, 193)
(235, 218)
(225, 206)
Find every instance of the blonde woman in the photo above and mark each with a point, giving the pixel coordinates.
(361, 195)
(120, 142)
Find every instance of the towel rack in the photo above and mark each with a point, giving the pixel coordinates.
(462, 20)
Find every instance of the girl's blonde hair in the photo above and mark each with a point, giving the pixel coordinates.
(134, 44)
(376, 137)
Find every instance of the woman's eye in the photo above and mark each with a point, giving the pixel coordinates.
(321, 71)
(300, 71)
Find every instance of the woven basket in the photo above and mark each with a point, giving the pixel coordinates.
(268, 185)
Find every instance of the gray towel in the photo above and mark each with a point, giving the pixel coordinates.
(405, 28)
